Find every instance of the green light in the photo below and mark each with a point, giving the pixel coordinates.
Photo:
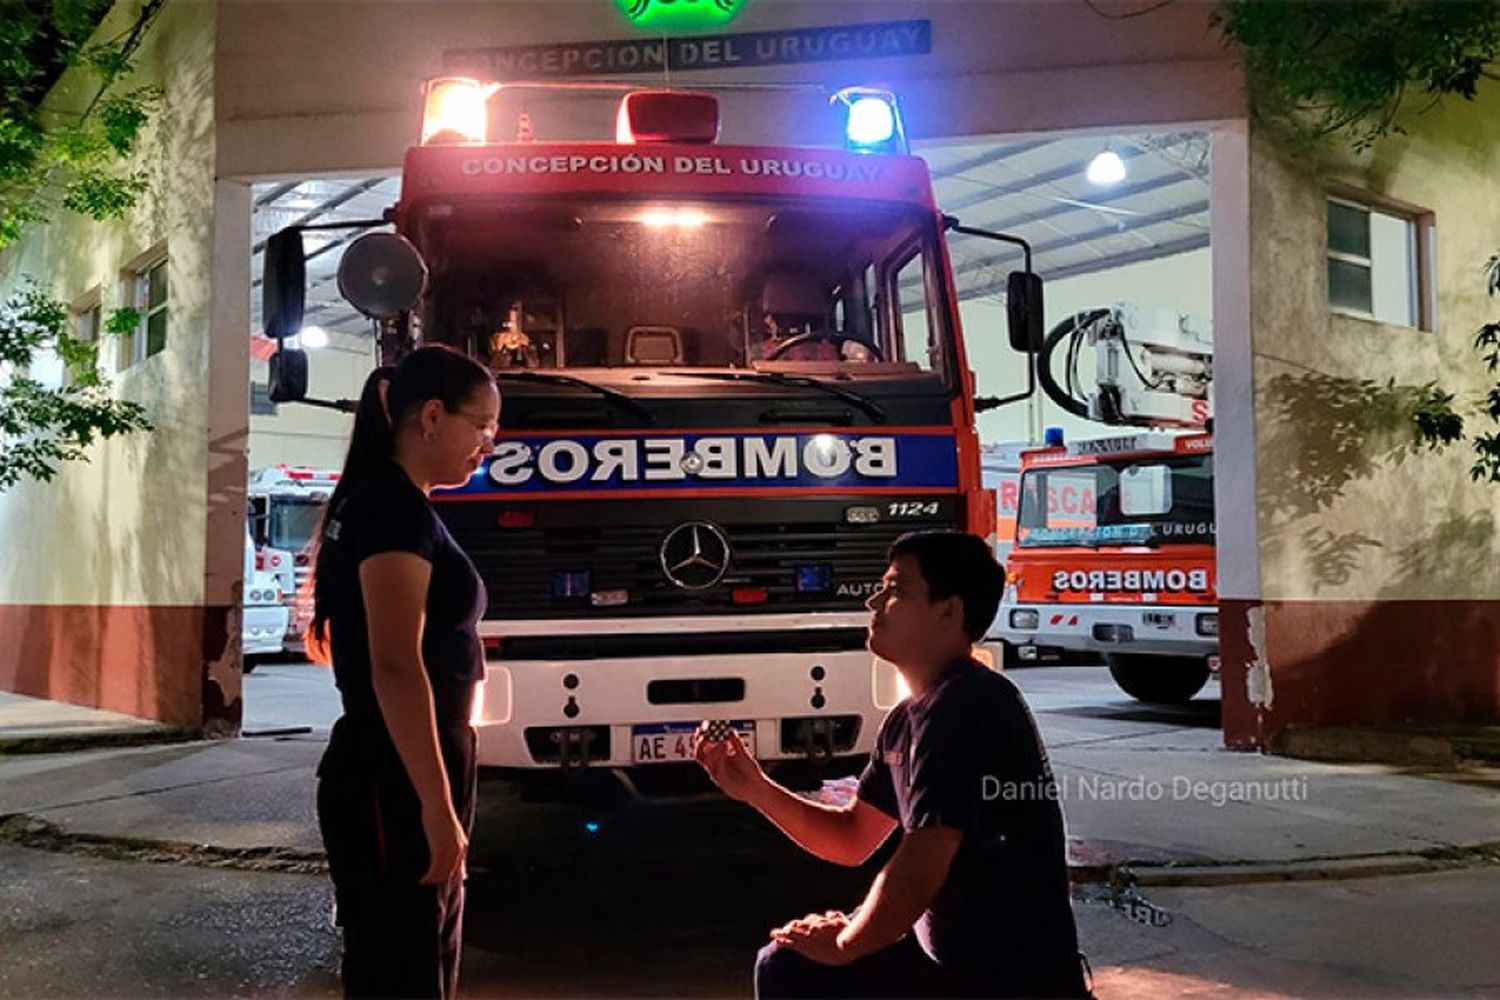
(682, 15)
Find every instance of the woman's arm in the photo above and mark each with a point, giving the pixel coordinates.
(395, 596)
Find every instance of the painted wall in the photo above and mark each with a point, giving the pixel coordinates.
(124, 575)
(303, 435)
(103, 584)
(320, 87)
(1380, 565)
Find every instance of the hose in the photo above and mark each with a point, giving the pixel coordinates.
(1072, 326)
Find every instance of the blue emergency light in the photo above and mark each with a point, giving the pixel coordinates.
(872, 121)
(816, 578)
(571, 584)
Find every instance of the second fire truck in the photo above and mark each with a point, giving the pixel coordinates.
(1114, 548)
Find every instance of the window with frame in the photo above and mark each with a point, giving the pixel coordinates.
(1376, 268)
(146, 292)
(913, 312)
(86, 317)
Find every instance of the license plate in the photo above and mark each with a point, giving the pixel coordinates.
(672, 742)
(1158, 619)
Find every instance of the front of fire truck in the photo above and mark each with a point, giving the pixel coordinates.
(731, 378)
(1114, 554)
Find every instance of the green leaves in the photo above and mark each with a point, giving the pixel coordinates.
(1349, 66)
(1486, 467)
(122, 117)
(55, 159)
(66, 157)
(121, 321)
(29, 319)
(42, 427)
(1436, 421)
(101, 196)
(1438, 424)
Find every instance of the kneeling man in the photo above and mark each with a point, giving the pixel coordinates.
(974, 901)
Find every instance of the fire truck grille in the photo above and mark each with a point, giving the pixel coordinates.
(781, 560)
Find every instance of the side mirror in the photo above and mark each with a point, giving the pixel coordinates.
(287, 382)
(382, 275)
(1023, 310)
(283, 285)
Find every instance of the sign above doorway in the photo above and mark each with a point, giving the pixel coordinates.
(882, 40)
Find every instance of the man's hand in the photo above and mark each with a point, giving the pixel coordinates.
(729, 764)
(816, 937)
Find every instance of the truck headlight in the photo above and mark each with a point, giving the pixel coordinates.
(1208, 625)
(1025, 618)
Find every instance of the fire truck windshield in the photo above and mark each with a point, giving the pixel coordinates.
(1159, 501)
(814, 286)
(292, 523)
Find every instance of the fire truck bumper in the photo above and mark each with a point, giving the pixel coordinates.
(632, 712)
(1162, 630)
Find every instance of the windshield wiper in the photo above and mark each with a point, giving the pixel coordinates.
(874, 409)
(552, 378)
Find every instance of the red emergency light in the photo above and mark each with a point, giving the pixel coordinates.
(675, 116)
(749, 595)
(304, 473)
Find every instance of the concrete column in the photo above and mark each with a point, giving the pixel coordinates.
(1241, 622)
(228, 441)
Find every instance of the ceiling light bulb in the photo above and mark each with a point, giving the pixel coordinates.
(1106, 168)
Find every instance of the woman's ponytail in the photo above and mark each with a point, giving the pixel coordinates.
(372, 443)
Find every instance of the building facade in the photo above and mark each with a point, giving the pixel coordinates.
(1358, 580)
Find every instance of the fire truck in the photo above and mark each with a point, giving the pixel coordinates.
(285, 508)
(1114, 537)
(1114, 553)
(732, 376)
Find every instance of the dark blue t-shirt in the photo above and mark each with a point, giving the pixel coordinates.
(967, 755)
(387, 513)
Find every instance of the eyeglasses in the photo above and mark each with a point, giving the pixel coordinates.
(484, 425)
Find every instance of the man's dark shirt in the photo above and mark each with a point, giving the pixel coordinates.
(967, 755)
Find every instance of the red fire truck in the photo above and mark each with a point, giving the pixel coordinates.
(1114, 553)
(732, 376)
(286, 505)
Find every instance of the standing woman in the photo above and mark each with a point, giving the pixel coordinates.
(397, 603)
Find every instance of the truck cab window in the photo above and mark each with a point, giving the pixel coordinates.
(610, 283)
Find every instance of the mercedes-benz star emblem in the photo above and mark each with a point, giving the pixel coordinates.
(695, 555)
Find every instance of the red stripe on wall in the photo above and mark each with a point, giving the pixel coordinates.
(145, 661)
(1359, 664)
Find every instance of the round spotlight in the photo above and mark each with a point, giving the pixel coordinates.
(312, 337)
(1107, 168)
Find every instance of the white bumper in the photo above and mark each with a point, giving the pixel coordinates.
(613, 692)
(264, 629)
(1163, 630)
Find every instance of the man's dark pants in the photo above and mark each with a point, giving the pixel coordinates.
(900, 970)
